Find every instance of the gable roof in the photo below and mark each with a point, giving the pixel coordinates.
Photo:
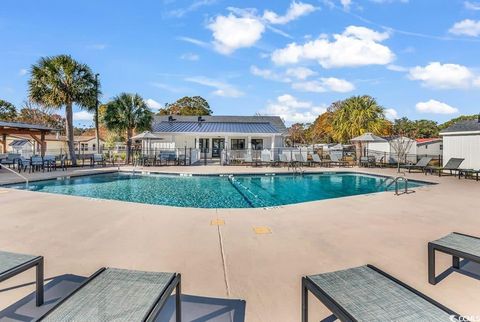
(463, 126)
(219, 124)
(25, 126)
(428, 141)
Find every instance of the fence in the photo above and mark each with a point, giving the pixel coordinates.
(393, 158)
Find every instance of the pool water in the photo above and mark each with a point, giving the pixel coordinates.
(242, 191)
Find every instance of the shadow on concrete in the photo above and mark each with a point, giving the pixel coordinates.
(467, 268)
(194, 308)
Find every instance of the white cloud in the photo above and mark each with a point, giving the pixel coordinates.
(346, 4)
(330, 84)
(82, 116)
(221, 88)
(194, 41)
(293, 110)
(153, 105)
(296, 10)
(435, 107)
(22, 72)
(467, 27)
(356, 46)
(233, 32)
(397, 68)
(391, 114)
(470, 5)
(269, 74)
(301, 73)
(179, 13)
(190, 56)
(443, 76)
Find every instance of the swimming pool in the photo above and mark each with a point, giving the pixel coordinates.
(239, 191)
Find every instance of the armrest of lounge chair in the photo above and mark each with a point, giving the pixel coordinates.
(366, 293)
(111, 293)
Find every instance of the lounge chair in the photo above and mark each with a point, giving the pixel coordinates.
(456, 244)
(338, 161)
(366, 293)
(452, 165)
(420, 165)
(118, 294)
(317, 160)
(283, 160)
(12, 264)
(299, 160)
(266, 158)
(472, 173)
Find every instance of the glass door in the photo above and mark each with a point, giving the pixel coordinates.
(217, 146)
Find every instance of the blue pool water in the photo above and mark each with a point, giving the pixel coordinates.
(242, 191)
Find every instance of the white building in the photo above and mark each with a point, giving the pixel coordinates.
(429, 147)
(386, 149)
(462, 140)
(211, 135)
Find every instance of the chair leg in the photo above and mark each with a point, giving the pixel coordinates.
(178, 301)
(39, 283)
(304, 301)
(431, 265)
(455, 262)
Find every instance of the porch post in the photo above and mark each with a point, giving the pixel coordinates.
(4, 143)
(272, 153)
(249, 143)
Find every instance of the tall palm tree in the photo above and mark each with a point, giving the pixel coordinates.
(127, 113)
(357, 115)
(62, 81)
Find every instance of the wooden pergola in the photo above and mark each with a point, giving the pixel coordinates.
(37, 132)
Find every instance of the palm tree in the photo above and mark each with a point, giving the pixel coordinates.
(62, 81)
(127, 113)
(357, 115)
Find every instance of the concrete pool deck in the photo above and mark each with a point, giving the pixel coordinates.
(78, 235)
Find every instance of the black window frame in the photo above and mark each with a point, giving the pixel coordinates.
(237, 144)
(257, 144)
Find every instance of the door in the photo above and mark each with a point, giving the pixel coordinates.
(217, 146)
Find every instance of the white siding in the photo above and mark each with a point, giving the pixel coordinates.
(432, 149)
(462, 146)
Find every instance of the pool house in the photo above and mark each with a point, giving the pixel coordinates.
(218, 138)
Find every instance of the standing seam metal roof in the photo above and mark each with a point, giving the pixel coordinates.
(214, 127)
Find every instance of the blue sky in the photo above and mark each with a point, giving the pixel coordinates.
(419, 58)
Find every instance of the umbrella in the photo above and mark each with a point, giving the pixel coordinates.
(146, 136)
(368, 137)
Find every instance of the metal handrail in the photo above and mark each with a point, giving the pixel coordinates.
(396, 181)
(18, 174)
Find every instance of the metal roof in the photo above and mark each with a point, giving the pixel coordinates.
(25, 126)
(274, 121)
(18, 143)
(463, 126)
(213, 127)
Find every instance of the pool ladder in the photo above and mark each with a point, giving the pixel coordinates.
(396, 181)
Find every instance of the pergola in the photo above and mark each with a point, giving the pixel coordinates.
(37, 132)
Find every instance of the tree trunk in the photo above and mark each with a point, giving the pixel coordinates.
(129, 145)
(69, 132)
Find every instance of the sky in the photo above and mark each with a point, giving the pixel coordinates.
(418, 58)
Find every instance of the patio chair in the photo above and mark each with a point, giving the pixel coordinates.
(10, 159)
(420, 165)
(366, 293)
(299, 160)
(119, 294)
(456, 244)
(322, 162)
(249, 160)
(12, 264)
(472, 173)
(36, 164)
(335, 158)
(98, 158)
(266, 158)
(452, 165)
(283, 160)
(50, 162)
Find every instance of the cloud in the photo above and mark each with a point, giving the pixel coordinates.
(190, 56)
(194, 41)
(292, 110)
(330, 84)
(269, 74)
(356, 46)
(346, 4)
(300, 72)
(168, 87)
(153, 105)
(233, 32)
(82, 116)
(467, 27)
(221, 88)
(397, 68)
(22, 72)
(296, 10)
(470, 5)
(179, 13)
(435, 107)
(391, 114)
(443, 76)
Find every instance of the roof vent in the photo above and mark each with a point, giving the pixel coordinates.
(171, 119)
(200, 119)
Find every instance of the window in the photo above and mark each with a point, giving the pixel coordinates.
(203, 144)
(94, 146)
(257, 144)
(238, 144)
(426, 146)
(441, 146)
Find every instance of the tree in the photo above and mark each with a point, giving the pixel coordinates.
(297, 134)
(127, 113)
(62, 81)
(415, 129)
(357, 115)
(187, 105)
(37, 115)
(458, 119)
(8, 112)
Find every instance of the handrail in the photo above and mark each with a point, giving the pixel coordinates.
(18, 174)
(396, 181)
